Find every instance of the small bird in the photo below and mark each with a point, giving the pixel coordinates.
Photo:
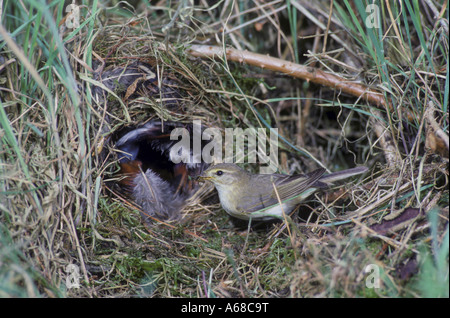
(248, 196)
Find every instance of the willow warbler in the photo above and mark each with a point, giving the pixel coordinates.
(266, 196)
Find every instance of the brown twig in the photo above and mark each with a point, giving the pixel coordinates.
(437, 140)
(311, 74)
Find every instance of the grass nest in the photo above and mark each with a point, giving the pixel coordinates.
(343, 94)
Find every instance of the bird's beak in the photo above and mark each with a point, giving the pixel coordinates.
(202, 177)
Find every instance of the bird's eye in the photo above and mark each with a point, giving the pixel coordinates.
(219, 172)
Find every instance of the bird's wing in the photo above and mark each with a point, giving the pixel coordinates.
(294, 185)
(287, 188)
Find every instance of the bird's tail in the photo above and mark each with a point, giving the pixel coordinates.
(344, 174)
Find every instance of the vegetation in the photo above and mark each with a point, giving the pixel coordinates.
(381, 101)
